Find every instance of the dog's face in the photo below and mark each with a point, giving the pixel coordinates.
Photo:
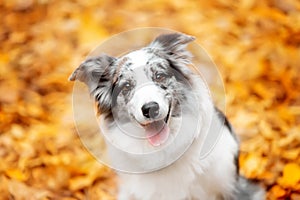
(145, 87)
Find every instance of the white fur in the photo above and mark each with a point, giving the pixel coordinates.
(143, 95)
(139, 57)
(189, 177)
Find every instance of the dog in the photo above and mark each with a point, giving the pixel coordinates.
(164, 108)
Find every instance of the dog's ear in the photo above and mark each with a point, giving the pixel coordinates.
(97, 73)
(93, 70)
(173, 45)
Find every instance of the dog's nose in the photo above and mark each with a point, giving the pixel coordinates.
(150, 110)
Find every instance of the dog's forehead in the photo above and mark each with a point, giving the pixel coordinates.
(140, 64)
(137, 58)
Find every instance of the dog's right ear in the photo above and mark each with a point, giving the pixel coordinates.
(93, 71)
(97, 73)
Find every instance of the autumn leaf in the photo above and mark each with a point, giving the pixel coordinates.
(16, 174)
(291, 175)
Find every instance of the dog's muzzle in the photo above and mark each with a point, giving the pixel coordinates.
(157, 131)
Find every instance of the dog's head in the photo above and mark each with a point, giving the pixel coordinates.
(146, 86)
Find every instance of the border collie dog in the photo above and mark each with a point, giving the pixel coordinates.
(163, 107)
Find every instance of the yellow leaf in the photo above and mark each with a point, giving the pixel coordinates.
(291, 175)
(80, 182)
(16, 174)
(291, 154)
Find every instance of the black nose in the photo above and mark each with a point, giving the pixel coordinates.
(150, 110)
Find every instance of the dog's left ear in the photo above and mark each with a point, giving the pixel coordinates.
(173, 45)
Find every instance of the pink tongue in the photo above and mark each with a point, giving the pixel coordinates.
(157, 133)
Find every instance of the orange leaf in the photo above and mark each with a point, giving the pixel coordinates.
(277, 191)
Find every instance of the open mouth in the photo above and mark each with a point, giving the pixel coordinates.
(157, 132)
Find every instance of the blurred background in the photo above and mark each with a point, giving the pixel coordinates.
(255, 44)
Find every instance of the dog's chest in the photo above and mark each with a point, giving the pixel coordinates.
(189, 178)
(182, 181)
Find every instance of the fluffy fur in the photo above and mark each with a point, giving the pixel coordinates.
(153, 88)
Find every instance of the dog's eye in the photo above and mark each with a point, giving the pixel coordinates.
(160, 77)
(126, 88)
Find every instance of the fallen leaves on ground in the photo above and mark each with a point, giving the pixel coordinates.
(254, 43)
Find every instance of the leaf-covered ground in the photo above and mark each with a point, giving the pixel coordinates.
(256, 45)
